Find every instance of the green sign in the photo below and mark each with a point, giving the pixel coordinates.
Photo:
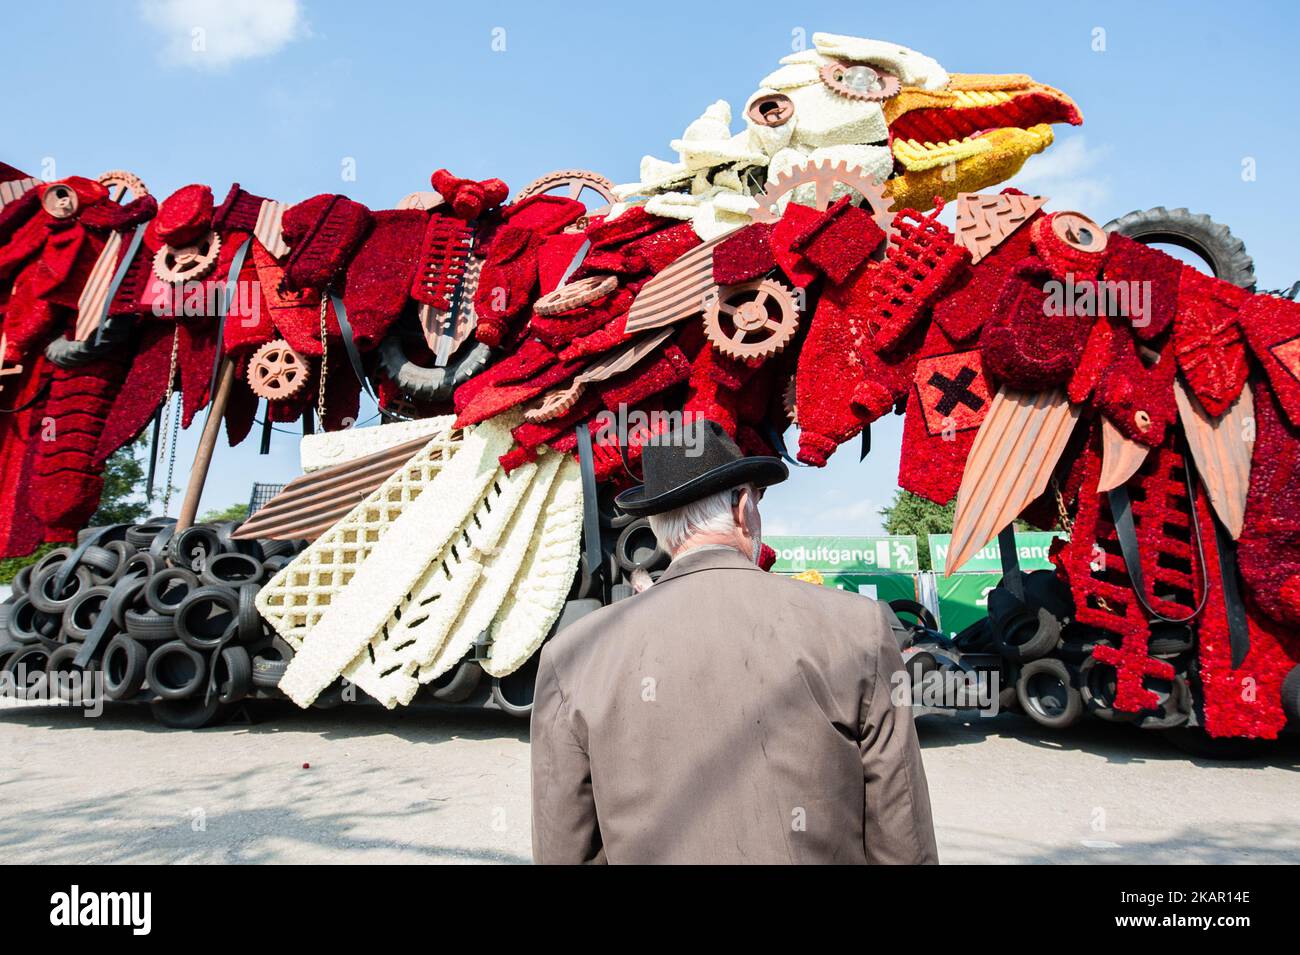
(844, 555)
(1032, 545)
(964, 600)
(876, 586)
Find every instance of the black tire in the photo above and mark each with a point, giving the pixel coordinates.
(22, 621)
(205, 615)
(27, 664)
(176, 671)
(166, 590)
(4, 613)
(272, 549)
(144, 536)
(1169, 640)
(149, 626)
(513, 693)
(123, 666)
(1175, 707)
(430, 384)
(458, 683)
(1046, 695)
(56, 556)
(123, 552)
(1222, 251)
(1097, 688)
(7, 649)
(233, 670)
(247, 619)
(141, 564)
(195, 713)
(1020, 633)
(637, 548)
(42, 594)
(193, 547)
(275, 563)
(84, 611)
(271, 657)
(22, 580)
(918, 611)
(126, 596)
(59, 669)
(67, 353)
(1291, 694)
(231, 570)
(102, 563)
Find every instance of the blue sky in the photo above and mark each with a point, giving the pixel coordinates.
(287, 95)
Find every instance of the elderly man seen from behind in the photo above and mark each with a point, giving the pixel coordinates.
(725, 715)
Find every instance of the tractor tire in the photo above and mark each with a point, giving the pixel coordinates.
(430, 384)
(1046, 694)
(1214, 242)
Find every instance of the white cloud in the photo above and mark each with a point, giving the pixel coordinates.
(1071, 174)
(211, 34)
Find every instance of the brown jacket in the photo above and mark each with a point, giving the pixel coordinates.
(727, 716)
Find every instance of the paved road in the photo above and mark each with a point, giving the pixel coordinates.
(427, 787)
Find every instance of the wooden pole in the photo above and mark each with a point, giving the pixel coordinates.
(207, 442)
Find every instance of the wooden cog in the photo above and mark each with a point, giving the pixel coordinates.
(753, 320)
(276, 372)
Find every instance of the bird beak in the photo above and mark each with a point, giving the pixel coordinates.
(974, 134)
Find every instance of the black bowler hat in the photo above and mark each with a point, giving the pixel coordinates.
(691, 463)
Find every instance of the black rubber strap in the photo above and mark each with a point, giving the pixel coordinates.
(1121, 511)
(1013, 577)
(866, 443)
(590, 510)
(69, 565)
(40, 393)
(349, 344)
(1235, 607)
(118, 276)
(223, 309)
(100, 629)
(153, 455)
(777, 440)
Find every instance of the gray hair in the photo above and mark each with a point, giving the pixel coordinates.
(708, 515)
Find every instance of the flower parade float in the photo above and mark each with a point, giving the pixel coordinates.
(1050, 370)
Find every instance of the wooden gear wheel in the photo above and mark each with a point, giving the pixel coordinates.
(753, 320)
(554, 404)
(575, 294)
(824, 176)
(187, 262)
(276, 371)
(573, 182)
(119, 182)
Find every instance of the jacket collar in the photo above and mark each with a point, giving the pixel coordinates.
(709, 557)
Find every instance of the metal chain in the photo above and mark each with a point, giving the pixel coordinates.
(324, 360)
(161, 450)
(171, 457)
(1067, 523)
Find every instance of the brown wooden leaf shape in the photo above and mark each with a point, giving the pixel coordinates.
(1010, 463)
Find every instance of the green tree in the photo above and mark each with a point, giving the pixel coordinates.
(122, 501)
(235, 512)
(910, 514)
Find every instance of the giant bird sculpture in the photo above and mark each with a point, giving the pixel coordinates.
(527, 347)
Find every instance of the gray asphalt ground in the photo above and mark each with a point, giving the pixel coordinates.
(361, 785)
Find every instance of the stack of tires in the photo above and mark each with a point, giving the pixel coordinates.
(147, 614)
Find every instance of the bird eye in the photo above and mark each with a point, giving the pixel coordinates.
(775, 109)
